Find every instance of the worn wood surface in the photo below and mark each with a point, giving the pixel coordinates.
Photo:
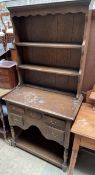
(8, 75)
(85, 123)
(84, 130)
(58, 104)
(49, 50)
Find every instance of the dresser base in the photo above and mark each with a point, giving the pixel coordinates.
(33, 142)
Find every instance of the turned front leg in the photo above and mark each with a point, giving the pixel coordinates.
(65, 157)
(4, 129)
(13, 136)
(66, 145)
(2, 119)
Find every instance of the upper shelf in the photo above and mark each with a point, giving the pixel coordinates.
(61, 71)
(50, 45)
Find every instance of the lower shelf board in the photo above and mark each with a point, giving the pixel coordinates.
(42, 148)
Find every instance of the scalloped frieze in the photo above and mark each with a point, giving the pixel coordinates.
(48, 132)
(46, 11)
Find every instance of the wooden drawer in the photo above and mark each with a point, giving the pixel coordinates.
(32, 114)
(16, 120)
(53, 122)
(4, 78)
(4, 71)
(5, 85)
(15, 109)
(8, 76)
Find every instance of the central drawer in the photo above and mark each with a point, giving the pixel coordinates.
(33, 115)
(4, 71)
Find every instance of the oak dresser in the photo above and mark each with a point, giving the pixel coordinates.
(51, 40)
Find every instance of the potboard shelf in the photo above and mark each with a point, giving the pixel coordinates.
(41, 147)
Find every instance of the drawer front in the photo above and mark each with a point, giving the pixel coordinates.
(16, 120)
(4, 71)
(15, 109)
(53, 122)
(5, 85)
(4, 78)
(32, 114)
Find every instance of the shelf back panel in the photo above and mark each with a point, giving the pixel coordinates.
(61, 58)
(51, 81)
(66, 28)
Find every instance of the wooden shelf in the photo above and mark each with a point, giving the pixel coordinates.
(50, 45)
(52, 70)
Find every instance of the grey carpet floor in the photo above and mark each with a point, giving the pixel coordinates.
(14, 161)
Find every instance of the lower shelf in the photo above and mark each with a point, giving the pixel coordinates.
(33, 142)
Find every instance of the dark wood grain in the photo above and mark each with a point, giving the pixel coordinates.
(8, 77)
(89, 75)
(49, 39)
(59, 23)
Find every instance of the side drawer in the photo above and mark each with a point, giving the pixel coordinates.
(15, 109)
(54, 122)
(4, 78)
(6, 85)
(4, 71)
(16, 120)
